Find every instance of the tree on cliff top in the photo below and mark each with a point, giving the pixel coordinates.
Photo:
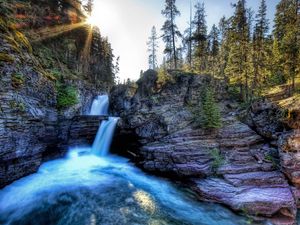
(171, 32)
(152, 49)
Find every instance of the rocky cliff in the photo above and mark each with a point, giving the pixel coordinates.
(235, 165)
(45, 83)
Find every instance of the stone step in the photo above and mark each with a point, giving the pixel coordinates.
(256, 179)
(245, 168)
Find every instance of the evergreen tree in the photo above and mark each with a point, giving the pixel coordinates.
(171, 32)
(238, 68)
(224, 29)
(187, 47)
(200, 37)
(211, 117)
(117, 70)
(214, 48)
(260, 53)
(276, 64)
(286, 33)
(89, 7)
(152, 49)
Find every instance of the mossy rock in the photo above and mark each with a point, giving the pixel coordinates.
(17, 80)
(17, 106)
(4, 57)
(44, 73)
(3, 25)
(12, 42)
(20, 37)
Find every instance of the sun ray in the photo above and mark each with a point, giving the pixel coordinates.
(46, 33)
(87, 49)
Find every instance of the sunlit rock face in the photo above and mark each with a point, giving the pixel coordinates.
(32, 126)
(27, 110)
(289, 146)
(160, 119)
(281, 127)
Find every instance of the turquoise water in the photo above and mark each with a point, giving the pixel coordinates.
(83, 189)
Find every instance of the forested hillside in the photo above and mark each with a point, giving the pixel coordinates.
(65, 47)
(243, 49)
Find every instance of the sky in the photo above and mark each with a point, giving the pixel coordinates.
(128, 23)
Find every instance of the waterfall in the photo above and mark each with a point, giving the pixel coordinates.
(100, 106)
(106, 130)
(104, 137)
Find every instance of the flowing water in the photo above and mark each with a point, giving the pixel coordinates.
(85, 189)
(100, 106)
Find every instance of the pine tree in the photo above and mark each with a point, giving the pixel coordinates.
(89, 7)
(200, 37)
(224, 29)
(214, 49)
(260, 52)
(152, 49)
(171, 32)
(276, 62)
(238, 67)
(286, 33)
(211, 117)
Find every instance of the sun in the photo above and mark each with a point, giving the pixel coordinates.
(103, 12)
(91, 20)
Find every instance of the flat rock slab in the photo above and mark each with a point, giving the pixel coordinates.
(252, 200)
(256, 178)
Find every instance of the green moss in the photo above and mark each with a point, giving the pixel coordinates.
(12, 42)
(17, 80)
(18, 106)
(4, 57)
(271, 159)
(20, 38)
(66, 96)
(55, 73)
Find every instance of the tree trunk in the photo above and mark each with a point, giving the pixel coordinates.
(173, 39)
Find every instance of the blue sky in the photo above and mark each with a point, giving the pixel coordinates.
(127, 23)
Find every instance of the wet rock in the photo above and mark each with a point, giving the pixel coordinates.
(259, 201)
(239, 154)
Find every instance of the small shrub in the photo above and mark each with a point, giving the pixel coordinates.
(234, 92)
(17, 106)
(66, 96)
(163, 77)
(271, 159)
(218, 159)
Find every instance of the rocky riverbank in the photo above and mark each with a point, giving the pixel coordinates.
(237, 165)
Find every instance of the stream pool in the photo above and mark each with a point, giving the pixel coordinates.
(83, 189)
